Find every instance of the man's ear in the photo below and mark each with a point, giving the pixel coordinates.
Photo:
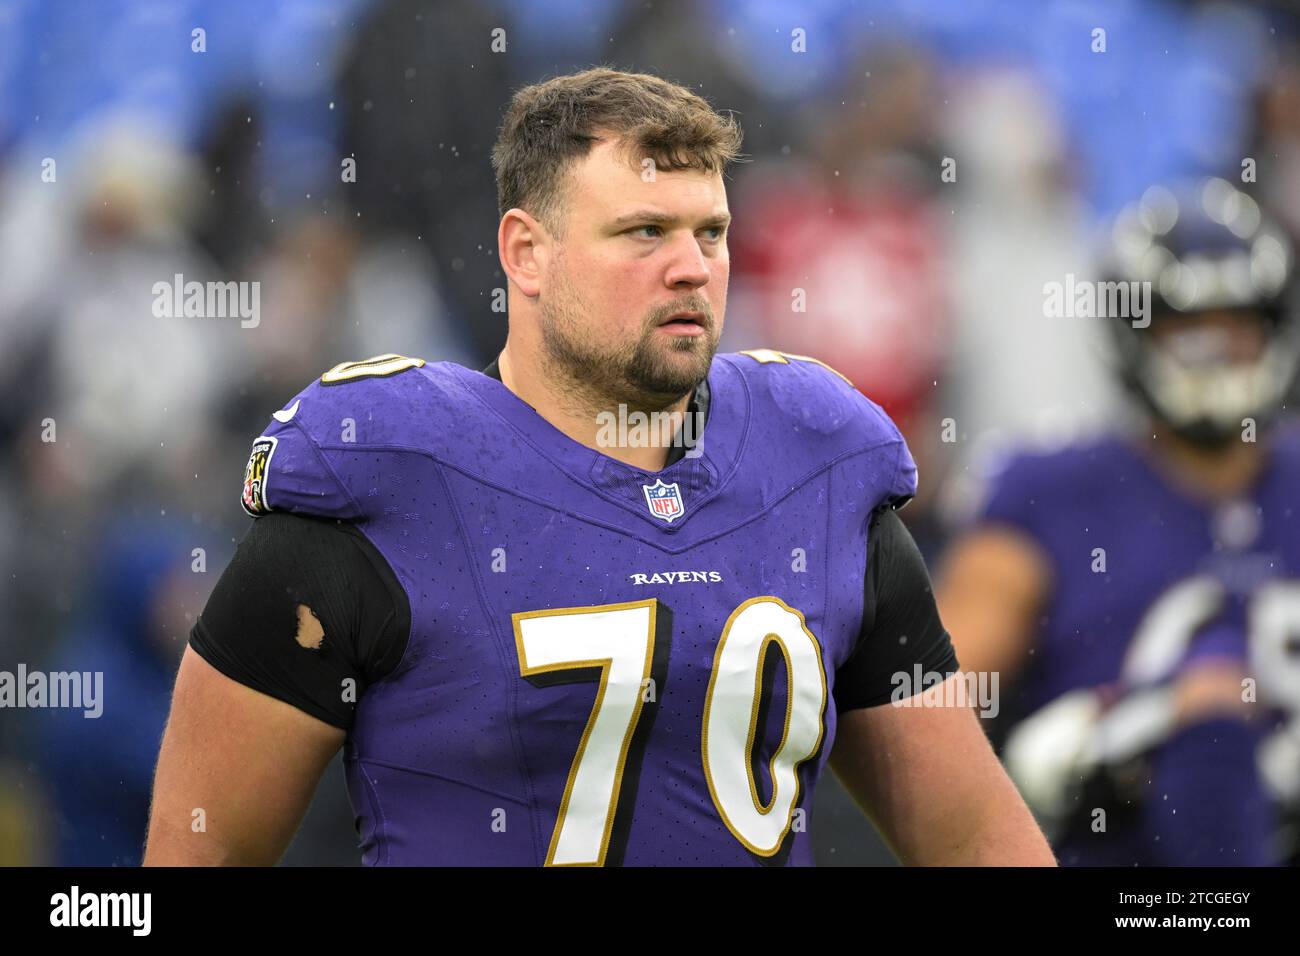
(523, 242)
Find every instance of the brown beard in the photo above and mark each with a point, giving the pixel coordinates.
(635, 373)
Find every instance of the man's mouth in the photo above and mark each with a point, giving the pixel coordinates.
(684, 323)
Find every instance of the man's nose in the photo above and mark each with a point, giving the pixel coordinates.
(689, 264)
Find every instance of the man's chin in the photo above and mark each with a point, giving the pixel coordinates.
(676, 373)
(684, 348)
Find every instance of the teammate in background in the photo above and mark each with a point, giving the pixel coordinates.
(541, 642)
(1140, 593)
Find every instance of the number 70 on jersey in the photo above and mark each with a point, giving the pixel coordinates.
(615, 645)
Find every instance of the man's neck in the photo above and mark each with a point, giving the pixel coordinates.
(1208, 472)
(595, 428)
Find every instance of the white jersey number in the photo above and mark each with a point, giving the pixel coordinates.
(619, 641)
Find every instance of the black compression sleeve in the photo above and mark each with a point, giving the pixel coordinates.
(249, 629)
(900, 623)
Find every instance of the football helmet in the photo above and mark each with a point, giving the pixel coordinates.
(1200, 248)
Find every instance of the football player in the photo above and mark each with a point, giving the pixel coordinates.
(544, 637)
(1141, 590)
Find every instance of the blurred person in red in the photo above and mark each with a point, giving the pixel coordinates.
(843, 256)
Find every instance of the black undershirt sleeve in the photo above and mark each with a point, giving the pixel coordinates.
(900, 622)
(250, 628)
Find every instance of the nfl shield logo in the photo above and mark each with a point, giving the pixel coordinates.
(665, 501)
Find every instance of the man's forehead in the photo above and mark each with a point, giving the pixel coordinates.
(611, 182)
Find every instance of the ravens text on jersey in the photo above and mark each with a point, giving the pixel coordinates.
(512, 693)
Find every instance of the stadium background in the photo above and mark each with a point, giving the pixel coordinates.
(226, 164)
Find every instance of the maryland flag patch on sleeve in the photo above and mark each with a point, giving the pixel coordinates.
(255, 472)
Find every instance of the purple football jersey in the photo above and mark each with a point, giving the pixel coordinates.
(1147, 577)
(605, 665)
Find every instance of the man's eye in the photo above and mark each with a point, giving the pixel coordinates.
(641, 231)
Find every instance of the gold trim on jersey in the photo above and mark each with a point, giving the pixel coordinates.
(604, 664)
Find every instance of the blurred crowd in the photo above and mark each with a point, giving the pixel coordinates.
(919, 169)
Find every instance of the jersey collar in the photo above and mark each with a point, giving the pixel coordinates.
(721, 399)
(698, 405)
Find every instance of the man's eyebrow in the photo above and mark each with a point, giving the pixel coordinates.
(651, 217)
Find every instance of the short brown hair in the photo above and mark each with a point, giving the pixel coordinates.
(551, 124)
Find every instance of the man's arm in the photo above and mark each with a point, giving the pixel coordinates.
(307, 610)
(248, 762)
(990, 588)
(931, 783)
